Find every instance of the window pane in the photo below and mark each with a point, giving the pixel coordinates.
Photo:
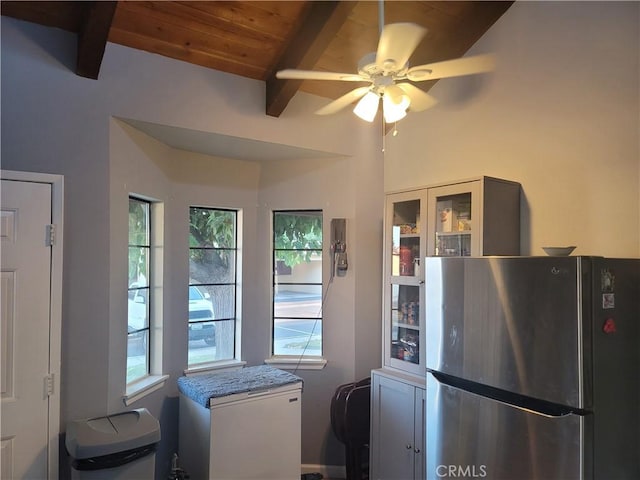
(305, 266)
(138, 309)
(138, 267)
(298, 301)
(200, 304)
(297, 337)
(299, 230)
(212, 228)
(220, 299)
(137, 357)
(212, 266)
(138, 222)
(211, 341)
(202, 332)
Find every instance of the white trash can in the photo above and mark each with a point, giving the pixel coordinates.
(120, 446)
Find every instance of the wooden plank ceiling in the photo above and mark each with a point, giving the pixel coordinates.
(254, 39)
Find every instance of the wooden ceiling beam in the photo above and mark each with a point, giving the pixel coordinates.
(92, 37)
(322, 22)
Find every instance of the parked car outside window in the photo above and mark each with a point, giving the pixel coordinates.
(200, 310)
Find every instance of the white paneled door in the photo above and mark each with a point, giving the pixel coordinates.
(25, 308)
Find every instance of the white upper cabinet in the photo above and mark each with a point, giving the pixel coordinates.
(474, 217)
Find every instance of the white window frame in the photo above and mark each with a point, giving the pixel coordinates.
(154, 379)
(235, 362)
(294, 362)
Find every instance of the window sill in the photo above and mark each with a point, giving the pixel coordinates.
(144, 387)
(212, 367)
(297, 363)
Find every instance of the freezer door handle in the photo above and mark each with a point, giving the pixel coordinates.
(258, 393)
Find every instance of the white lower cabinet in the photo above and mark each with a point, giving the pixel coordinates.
(397, 427)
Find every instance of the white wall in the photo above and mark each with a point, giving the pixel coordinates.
(56, 122)
(560, 115)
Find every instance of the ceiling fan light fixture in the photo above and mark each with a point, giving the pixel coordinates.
(392, 111)
(395, 103)
(397, 96)
(367, 107)
(394, 115)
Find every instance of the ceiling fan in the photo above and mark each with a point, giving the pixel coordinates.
(390, 77)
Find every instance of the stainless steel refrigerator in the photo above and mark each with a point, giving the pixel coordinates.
(533, 367)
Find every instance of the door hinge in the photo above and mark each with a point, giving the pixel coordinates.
(50, 236)
(48, 385)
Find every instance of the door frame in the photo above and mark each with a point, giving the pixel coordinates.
(55, 315)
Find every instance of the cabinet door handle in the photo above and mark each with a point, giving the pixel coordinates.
(409, 447)
(417, 450)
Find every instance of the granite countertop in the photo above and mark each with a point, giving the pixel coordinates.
(202, 388)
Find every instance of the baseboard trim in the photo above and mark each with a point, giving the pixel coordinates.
(332, 472)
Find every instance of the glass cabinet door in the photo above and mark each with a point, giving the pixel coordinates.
(405, 323)
(405, 239)
(454, 223)
(405, 247)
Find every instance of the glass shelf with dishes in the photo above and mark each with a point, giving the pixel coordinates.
(453, 225)
(405, 323)
(453, 245)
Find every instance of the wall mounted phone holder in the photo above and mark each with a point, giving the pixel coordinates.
(339, 264)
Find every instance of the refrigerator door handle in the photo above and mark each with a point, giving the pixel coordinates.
(534, 405)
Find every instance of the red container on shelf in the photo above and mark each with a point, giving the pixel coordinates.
(406, 261)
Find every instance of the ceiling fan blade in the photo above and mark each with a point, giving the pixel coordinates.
(420, 100)
(397, 43)
(452, 68)
(292, 74)
(343, 101)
